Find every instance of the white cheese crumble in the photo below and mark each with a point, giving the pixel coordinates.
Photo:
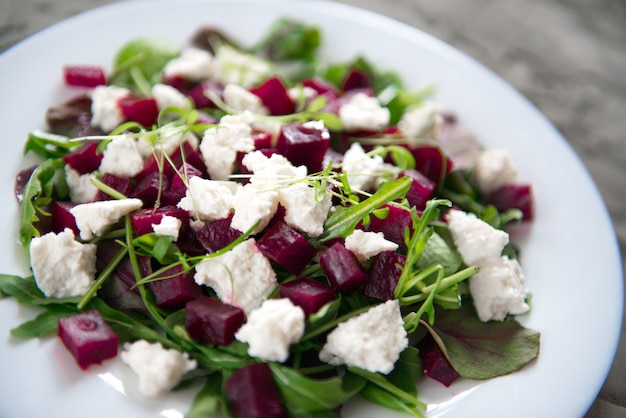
(271, 329)
(169, 227)
(303, 210)
(159, 369)
(494, 168)
(105, 110)
(420, 121)
(208, 200)
(367, 244)
(193, 64)
(121, 157)
(168, 96)
(62, 266)
(94, 218)
(272, 171)
(372, 340)
(365, 172)
(241, 277)
(240, 99)
(498, 289)
(474, 238)
(238, 67)
(253, 204)
(81, 188)
(363, 112)
(220, 145)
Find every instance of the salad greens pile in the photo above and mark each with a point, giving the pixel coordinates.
(432, 288)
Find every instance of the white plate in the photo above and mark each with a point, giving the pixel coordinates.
(570, 254)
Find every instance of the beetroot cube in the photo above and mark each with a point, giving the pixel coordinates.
(513, 196)
(218, 234)
(62, 218)
(393, 226)
(175, 288)
(84, 76)
(320, 85)
(262, 140)
(432, 162)
(435, 364)
(121, 184)
(286, 247)
(308, 294)
(147, 189)
(88, 338)
(253, 393)
(142, 220)
(212, 321)
(72, 118)
(178, 189)
(140, 110)
(304, 144)
(356, 79)
(343, 269)
(421, 190)
(274, 96)
(201, 100)
(84, 159)
(384, 273)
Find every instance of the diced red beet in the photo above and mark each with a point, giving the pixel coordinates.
(61, 217)
(212, 321)
(147, 189)
(201, 100)
(384, 274)
(84, 159)
(287, 247)
(253, 393)
(275, 97)
(432, 162)
(178, 189)
(118, 295)
(304, 144)
(320, 85)
(514, 196)
(355, 79)
(307, 293)
(141, 110)
(218, 234)
(84, 76)
(72, 118)
(179, 83)
(88, 337)
(435, 364)
(421, 190)
(343, 269)
(142, 220)
(262, 140)
(121, 184)
(176, 289)
(393, 226)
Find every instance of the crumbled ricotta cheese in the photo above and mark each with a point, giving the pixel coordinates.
(159, 369)
(300, 94)
(498, 289)
(251, 205)
(474, 238)
(241, 277)
(94, 218)
(372, 340)
(62, 266)
(365, 172)
(494, 168)
(272, 171)
(238, 67)
(121, 157)
(105, 111)
(208, 200)
(240, 98)
(168, 96)
(81, 188)
(271, 329)
(363, 112)
(169, 226)
(420, 121)
(366, 244)
(220, 145)
(193, 64)
(303, 210)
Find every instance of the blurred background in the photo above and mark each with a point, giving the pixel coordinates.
(568, 57)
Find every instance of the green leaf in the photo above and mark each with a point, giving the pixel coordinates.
(378, 395)
(48, 145)
(483, 350)
(342, 222)
(44, 324)
(24, 290)
(305, 394)
(288, 39)
(209, 401)
(160, 247)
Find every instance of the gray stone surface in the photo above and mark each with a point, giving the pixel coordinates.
(568, 57)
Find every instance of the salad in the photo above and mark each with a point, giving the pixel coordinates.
(288, 232)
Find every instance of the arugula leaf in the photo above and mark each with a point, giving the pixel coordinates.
(209, 401)
(37, 193)
(44, 324)
(288, 39)
(483, 350)
(48, 145)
